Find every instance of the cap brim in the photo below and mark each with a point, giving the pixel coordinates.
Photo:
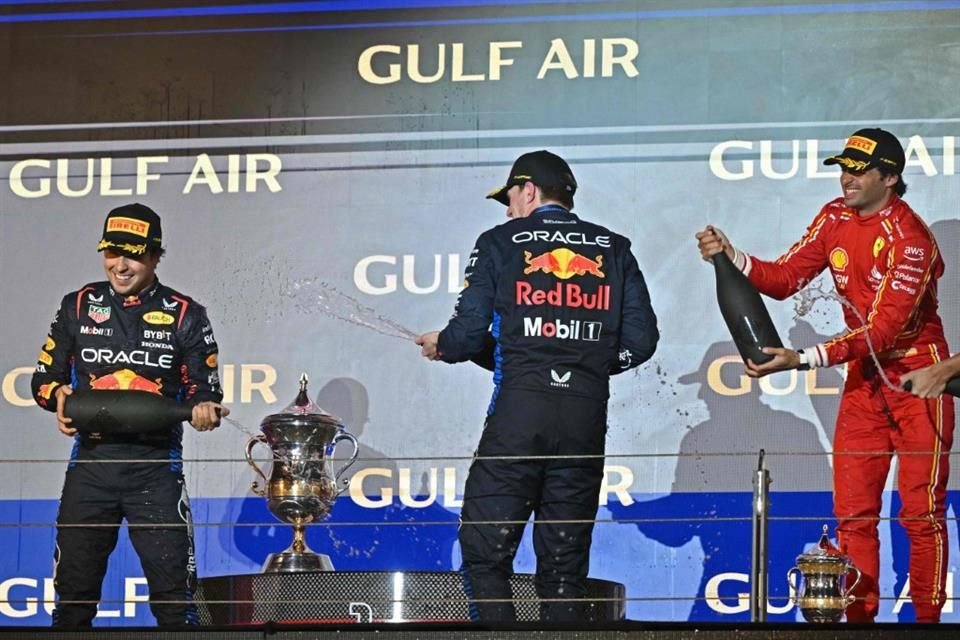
(131, 250)
(500, 195)
(850, 163)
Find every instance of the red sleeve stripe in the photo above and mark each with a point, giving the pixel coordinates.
(183, 309)
(80, 298)
(805, 240)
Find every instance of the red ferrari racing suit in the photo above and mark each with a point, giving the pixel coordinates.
(885, 267)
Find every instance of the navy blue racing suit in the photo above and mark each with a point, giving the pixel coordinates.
(158, 341)
(567, 306)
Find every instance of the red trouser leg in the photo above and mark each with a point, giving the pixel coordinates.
(861, 462)
(923, 440)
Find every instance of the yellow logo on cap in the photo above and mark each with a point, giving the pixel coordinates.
(850, 163)
(129, 225)
(862, 144)
(839, 259)
(158, 317)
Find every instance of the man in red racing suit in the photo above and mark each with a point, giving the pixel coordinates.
(885, 264)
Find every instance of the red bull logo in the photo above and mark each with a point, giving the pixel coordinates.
(46, 390)
(565, 294)
(563, 263)
(126, 380)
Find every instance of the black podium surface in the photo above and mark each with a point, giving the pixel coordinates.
(372, 596)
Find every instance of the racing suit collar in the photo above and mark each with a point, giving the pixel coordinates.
(140, 298)
(892, 207)
(552, 209)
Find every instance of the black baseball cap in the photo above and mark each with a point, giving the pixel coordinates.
(543, 169)
(131, 230)
(868, 148)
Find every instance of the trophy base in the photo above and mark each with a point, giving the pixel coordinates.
(819, 616)
(822, 610)
(297, 562)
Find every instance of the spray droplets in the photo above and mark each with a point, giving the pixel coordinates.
(312, 295)
(807, 298)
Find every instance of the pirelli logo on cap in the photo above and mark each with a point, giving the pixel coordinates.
(863, 144)
(128, 225)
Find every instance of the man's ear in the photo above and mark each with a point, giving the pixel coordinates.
(531, 192)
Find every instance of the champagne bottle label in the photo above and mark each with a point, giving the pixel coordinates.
(123, 411)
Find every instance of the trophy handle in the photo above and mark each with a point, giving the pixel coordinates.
(251, 443)
(345, 435)
(849, 598)
(794, 583)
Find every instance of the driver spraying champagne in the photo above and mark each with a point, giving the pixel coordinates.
(885, 264)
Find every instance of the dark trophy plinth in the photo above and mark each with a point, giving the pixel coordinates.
(373, 596)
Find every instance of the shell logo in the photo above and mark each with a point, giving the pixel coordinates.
(878, 246)
(158, 317)
(839, 259)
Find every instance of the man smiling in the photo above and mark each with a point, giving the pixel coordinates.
(129, 333)
(885, 264)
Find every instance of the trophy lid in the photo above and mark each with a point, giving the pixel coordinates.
(824, 551)
(301, 412)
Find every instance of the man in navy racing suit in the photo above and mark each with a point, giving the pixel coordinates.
(556, 305)
(128, 332)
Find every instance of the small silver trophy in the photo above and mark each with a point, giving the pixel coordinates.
(303, 485)
(820, 593)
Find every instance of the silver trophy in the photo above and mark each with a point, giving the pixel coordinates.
(819, 578)
(303, 484)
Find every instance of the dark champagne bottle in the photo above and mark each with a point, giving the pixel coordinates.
(744, 312)
(123, 411)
